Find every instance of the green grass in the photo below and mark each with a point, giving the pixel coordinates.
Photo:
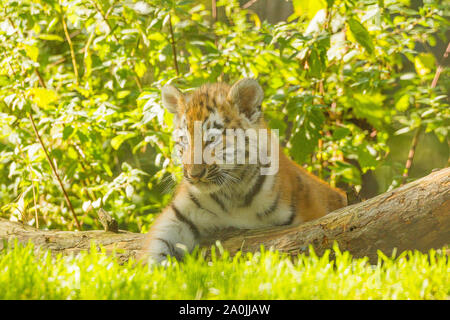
(266, 275)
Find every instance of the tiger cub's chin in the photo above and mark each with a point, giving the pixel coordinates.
(211, 198)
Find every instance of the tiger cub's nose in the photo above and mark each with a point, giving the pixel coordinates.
(197, 171)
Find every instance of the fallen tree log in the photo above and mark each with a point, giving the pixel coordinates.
(415, 216)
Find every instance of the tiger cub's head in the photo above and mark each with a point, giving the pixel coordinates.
(201, 120)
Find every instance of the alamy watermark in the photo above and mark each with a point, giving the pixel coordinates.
(232, 146)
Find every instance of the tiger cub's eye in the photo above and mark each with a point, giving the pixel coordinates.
(212, 139)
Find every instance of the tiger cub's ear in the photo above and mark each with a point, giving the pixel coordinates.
(247, 95)
(171, 97)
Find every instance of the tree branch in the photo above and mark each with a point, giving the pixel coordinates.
(69, 203)
(69, 41)
(174, 48)
(249, 4)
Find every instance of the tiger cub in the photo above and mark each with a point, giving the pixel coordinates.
(218, 195)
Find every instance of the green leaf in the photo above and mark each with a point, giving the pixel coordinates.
(303, 145)
(140, 69)
(361, 34)
(424, 63)
(117, 141)
(315, 64)
(83, 138)
(371, 108)
(50, 37)
(305, 140)
(68, 130)
(340, 133)
(348, 172)
(107, 169)
(367, 157)
(44, 98)
(308, 8)
(32, 52)
(402, 104)
(122, 94)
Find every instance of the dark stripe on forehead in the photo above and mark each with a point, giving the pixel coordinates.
(185, 220)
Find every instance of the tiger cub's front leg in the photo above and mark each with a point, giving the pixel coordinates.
(172, 234)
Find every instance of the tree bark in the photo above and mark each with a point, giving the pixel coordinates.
(414, 216)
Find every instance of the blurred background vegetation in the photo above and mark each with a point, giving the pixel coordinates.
(349, 84)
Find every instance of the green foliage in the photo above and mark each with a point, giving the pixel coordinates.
(265, 275)
(341, 79)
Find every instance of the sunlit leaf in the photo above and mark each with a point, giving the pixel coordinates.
(308, 8)
(402, 104)
(424, 63)
(32, 52)
(361, 34)
(50, 37)
(44, 98)
(117, 141)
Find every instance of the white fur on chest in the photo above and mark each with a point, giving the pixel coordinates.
(209, 216)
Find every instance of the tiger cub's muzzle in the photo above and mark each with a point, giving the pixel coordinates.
(195, 172)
